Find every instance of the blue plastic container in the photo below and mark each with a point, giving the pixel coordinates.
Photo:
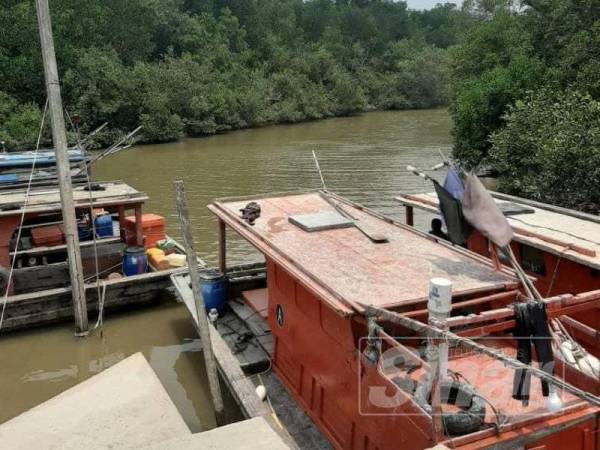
(134, 261)
(213, 287)
(84, 231)
(104, 225)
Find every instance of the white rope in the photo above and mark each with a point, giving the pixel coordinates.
(100, 319)
(15, 254)
(99, 282)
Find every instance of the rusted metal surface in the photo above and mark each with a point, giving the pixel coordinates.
(346, 262)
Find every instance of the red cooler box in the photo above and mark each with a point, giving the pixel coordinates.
(47, 236)
(153, 229)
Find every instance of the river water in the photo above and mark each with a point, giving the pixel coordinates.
(362, 158)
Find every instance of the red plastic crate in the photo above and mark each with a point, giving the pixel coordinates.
(153, 229)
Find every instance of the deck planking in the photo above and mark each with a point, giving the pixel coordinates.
(46, 199)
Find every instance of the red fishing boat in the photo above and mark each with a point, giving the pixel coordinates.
(348, 314)
(558, 247)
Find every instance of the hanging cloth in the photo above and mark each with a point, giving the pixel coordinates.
(451, 209)
(481, 211)
(531, 329)
(454, 185)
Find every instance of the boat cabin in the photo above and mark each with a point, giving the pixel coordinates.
(356, 373)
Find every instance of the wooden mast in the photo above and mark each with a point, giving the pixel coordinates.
(59, 138)
(203, 325)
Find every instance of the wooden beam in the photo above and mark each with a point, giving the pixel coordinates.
(222, 244)
(122, 230)
(477, 301)
(59, 138)
(139, 235)
(582, 328)
(576, 248)
(410, 218)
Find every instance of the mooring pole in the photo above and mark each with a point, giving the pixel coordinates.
(63, 169)
(203, 325)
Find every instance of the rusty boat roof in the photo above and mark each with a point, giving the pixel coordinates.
(342, 266)
(569, 234)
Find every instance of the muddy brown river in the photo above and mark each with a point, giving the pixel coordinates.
(362, 158)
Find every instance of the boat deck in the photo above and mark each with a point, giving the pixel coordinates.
(569, 234)
(45, 199)
(343, 264)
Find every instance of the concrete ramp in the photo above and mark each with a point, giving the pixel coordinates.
(123, 406)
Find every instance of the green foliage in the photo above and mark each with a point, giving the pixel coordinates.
(549, 149)
(489, 71)
(19, 123)
(525, 88)
(200, 67)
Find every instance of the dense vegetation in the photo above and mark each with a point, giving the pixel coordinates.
(199, 67)
(525, 98)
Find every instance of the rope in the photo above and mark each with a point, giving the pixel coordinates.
(27, 192)
(555, 273)
(93, 222)
(100, 320)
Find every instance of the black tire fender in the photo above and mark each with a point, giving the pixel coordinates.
(471, 416)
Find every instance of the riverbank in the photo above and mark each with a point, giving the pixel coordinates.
(205, 129)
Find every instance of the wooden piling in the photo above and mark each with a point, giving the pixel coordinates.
(63, 169)
(203, 325)
(222, 238)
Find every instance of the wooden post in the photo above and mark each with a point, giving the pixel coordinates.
(203, 325)
(122, 229)
(59, 138)
(410, 218)
(139, 230)
(222, 244)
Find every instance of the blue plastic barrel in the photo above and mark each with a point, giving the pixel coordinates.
(104, 225)
(134, 261)
(213, 287)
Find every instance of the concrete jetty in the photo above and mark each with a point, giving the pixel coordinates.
(124, 406)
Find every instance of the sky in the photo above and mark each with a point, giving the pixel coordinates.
(426, 4)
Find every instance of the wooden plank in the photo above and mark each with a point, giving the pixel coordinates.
(568, 245)
(502, 296)
(258, 300)
(241, 387)
(258, 326)
(59, 248)
(39, 278)
(243, 343)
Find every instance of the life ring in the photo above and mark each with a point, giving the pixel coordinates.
(471, 416)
